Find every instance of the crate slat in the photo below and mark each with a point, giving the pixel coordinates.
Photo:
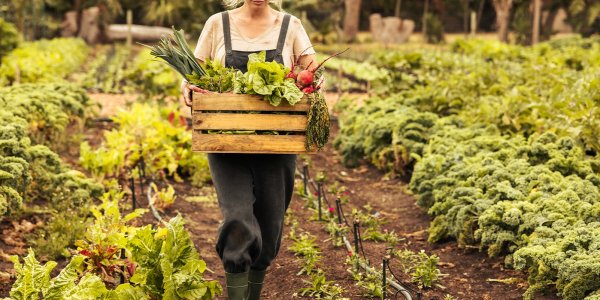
(222, 143)
(247, 112)
(239, 102)
(229, 121)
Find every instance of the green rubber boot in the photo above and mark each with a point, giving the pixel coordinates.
(255, 283)
(237, 285)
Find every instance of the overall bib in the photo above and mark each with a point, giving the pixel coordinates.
(254, 190)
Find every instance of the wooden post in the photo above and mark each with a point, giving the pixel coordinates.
(351, 19)
(398, 7)
(537, 11)
(473, 23)
(129, 24)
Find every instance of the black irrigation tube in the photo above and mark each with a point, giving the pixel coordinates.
(399, 288)
(151, 204)
(141, 166)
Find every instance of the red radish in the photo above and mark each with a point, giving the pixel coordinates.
(305, 78)
(308, 90)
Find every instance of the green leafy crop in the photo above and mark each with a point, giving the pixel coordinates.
(10, 37)
(158, 263)
(217, 78)
(43, 61)
(39, 114)
(268, 79)
(158, 135)
(508, 159)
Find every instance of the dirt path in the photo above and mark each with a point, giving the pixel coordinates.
(469, 271)
(471, 274)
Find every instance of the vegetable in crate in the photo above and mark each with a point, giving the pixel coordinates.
(268, 79)
(217, 78)
(179, 56)
(317, 127)
(211, 75)
(310, 82)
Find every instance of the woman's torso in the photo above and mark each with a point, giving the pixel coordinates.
(238, 59)
(212, 41)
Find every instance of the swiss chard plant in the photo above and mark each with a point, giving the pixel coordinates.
(120, 261)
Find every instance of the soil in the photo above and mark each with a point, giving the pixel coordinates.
(471, 274)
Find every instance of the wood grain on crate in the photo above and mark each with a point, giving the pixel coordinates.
(228, 121)
(247, 112)
(239, 102)
(231, 143)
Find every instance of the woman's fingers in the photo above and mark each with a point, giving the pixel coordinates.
(194, 88)
(188, 99)
(188, 93)
(197, 89)
(187, 96)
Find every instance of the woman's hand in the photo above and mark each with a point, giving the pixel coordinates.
(187, 90)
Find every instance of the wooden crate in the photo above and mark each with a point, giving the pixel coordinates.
(227, 112)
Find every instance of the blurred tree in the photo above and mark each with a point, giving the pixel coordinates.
(584, 16)
(424, 19)
(300, 8)
(465, 10)
(10, 38)
(351, 19)
(521, 24)
(433, 27)
(322, 19)
(160, 12)
(30, 17)
(503, 9)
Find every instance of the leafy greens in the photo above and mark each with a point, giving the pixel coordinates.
(267, 79)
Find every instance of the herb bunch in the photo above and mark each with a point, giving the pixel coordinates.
(317, 127)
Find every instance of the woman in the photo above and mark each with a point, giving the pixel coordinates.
(254, 191)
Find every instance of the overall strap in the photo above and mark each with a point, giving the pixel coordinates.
(227, 35)
(283, 34)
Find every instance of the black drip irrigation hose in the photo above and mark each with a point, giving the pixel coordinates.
(418, 293)
(103, 120)
(151, 204)
(141, 166)
(359, 243)
(399, 288)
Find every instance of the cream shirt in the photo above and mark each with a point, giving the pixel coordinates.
(211, 43)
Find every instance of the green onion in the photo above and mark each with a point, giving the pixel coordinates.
(175, 51)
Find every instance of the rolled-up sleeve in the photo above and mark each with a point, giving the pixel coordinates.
(205, 42)
(302, 44)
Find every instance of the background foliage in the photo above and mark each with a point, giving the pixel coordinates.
(42, 18)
